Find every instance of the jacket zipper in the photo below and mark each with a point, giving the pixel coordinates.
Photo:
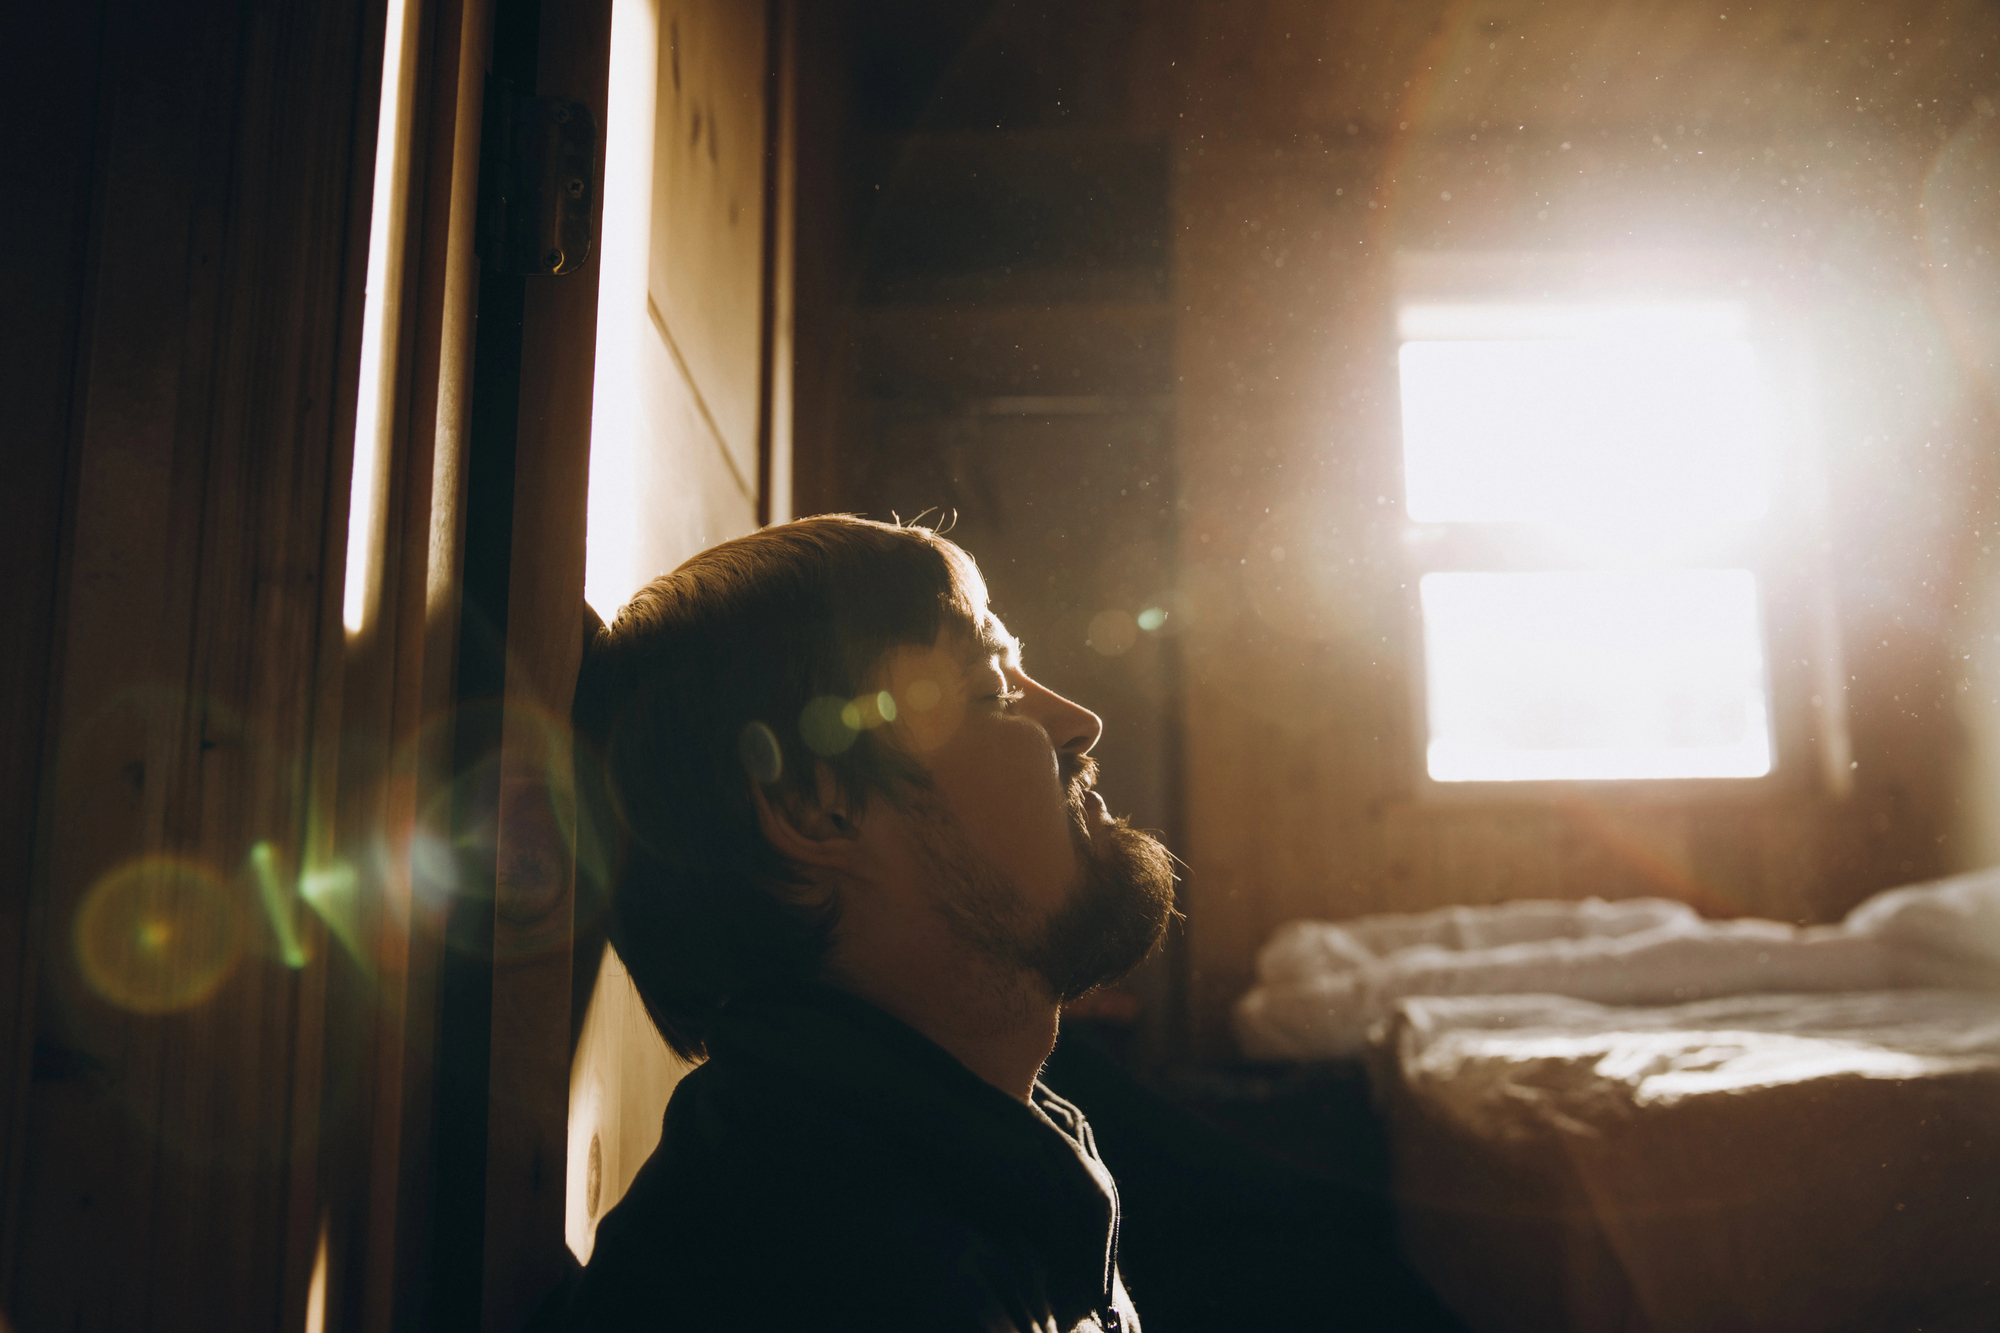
(1113, 1321)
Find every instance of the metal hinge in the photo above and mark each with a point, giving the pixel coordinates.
(537, 182)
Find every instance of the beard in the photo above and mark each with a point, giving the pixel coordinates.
(1112, 918)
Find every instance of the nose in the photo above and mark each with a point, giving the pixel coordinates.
(1072, 728)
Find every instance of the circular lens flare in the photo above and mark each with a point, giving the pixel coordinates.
(828, 725)
(157, 935)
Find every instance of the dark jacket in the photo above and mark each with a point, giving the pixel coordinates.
(830, 1168)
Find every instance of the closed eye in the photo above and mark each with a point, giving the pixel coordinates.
(1003, 691)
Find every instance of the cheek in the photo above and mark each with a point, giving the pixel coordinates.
(929, 728)
(1024, 818)
(930, 699)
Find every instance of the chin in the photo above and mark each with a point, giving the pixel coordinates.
(1115, 917)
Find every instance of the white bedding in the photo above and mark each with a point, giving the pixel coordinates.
(1323, 986)
(1517, 1066)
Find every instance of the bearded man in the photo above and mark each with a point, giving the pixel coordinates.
(861, 866)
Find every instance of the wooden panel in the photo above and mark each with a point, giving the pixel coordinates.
(680, 486)
(825, 179)
(684, 499)
(1285, 66)
(781, 263)
(708, 208)
(620, 1081)
(50, 79)
(395, 752)
(982, 351)
(534, 900)
(697, 497)
(199, 643)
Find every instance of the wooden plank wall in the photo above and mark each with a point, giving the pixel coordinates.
(57, 91)
(398, 707)
(197, 404)
(695, 413)
(534, 898)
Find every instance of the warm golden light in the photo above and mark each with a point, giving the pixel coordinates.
(1613, 417)
(372, 428)
(1605, 674)
(316, 1288)
(1614, 433)
(1583, 415)
(617, 556)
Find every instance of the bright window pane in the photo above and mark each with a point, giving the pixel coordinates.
(1612, 674)
(1652, 417)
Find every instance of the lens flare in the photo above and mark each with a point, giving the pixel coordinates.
(433, 872)
(277, 904)
(825, 727)
(333, 891)
(157, 935)
(763, 758)
(1112, 632)
(926, 686)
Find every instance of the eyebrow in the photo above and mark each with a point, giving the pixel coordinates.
(995, 641)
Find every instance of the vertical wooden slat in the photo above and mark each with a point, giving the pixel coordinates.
(442, 398)
(774, 434)
(195, 631)
(406, 680)
(398, 694)
(50, 81)
(61, 1188)
(528, 1089)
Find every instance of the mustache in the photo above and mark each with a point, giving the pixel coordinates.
(1079, 775)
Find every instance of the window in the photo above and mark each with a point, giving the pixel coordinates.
(1592, 489)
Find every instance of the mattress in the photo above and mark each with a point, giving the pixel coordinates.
(1754, 1162)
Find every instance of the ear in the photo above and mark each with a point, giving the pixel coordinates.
(819, 831)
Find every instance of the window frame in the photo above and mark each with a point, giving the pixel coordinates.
(1786, 553)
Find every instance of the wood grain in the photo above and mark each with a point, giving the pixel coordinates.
(528, 1084)
(198, 639)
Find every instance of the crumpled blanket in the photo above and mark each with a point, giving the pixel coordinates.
(1517, 1066)
(1323, 986)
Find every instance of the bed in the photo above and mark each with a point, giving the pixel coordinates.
(1805, 1137)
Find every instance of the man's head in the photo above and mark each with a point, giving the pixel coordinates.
(798, 718)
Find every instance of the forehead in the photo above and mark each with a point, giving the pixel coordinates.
(962, 647)
(993, 640)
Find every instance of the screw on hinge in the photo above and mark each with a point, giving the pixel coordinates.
(575, 187)
(554, 259)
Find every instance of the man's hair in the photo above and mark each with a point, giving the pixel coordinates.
(735, 669)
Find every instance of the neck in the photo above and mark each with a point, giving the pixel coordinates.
(999, 1024)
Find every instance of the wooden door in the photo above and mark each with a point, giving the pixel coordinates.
(692, 430)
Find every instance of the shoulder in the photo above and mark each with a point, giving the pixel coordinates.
(752, 1216)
